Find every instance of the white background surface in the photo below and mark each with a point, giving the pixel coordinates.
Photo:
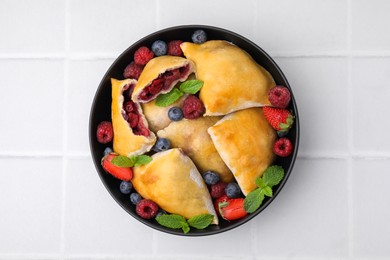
(336, 55)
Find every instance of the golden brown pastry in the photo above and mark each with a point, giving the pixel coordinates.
(232, 79)
(128, 140)
(173, 182)
(244, 139)
(158, 116)
(160, 75)
(192, 137)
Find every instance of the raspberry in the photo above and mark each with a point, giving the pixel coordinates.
(192, 107)
(133, 71)
(279, 96)
(146, 209)
(283, 147)
(104, 132)
(217, 190)
(174, 48)
(143, 55)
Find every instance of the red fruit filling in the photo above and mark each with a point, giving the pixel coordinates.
(146, 209)
(163, 83)
(192, 107)
(131, 113)
(104, 132)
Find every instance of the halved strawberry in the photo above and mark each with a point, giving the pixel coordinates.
(280, 119)
(122, 173)
(232, 209)
(221, 199)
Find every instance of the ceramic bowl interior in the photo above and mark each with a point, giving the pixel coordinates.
(101, 111)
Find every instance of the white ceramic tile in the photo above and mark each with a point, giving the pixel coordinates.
(94, 223)
(237, 16)
(309, 218)
(84, 79)
(30, 202)
(370, 25)
(320, 88)
(371, 94)
(223, 244)
(31, 105)
(302, 26)
(25, 27)
(109, 26)
(371, 208)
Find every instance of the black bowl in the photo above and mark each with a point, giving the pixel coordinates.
(101, 110)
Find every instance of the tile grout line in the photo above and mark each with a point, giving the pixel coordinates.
(64, 125)
(350, 133)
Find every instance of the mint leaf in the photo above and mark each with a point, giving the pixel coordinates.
(169, 98)
(142, 159)
(133, 158)
(260, 183)
(122, 161)
(267, 191)
(253, 200)
(191, 86)
(185, 228)
(273, 175)
(171, 221)
(200, 221)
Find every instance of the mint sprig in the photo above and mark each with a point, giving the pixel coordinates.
(190, 86)
(201, 221)
(272, 176)
(176, 221)
(141, 160)
(169, 98)
(124, 161)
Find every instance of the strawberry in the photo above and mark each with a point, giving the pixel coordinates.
(122, 173)
(232, 209)
(280, 119)
(221, 199)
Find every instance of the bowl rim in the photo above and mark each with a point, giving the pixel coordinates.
(288, 171)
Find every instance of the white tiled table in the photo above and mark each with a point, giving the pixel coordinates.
(336, 55)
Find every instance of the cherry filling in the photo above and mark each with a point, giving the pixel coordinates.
(163, 82)
(131, 113)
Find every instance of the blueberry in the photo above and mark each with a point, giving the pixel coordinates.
(161, 212)
(107, 151)
(162, 144)
(175, 114)
(282, 133)
(159, 48)
(199, 36)
(135, 198)
(125, 187)
(210, 177)
(232, 190)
